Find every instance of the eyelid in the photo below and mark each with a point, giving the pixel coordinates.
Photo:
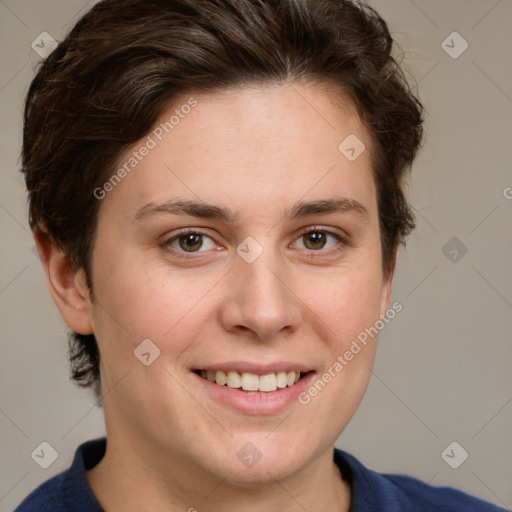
(328, 230)
(342, 239)
(168, 240)
(317, 255)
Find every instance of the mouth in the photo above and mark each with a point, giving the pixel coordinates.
(251, 382)
(254, 389)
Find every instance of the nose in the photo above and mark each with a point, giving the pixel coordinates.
(259, 300)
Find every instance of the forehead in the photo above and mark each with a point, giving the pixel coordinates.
(258, 144)
(272, 118)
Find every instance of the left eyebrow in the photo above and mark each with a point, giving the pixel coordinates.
(327, 206)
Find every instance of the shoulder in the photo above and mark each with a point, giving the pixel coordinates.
(377, 492)
(430, 497)
(68, 491)
(48, 497)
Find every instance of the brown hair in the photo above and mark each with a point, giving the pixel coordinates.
(104, 86)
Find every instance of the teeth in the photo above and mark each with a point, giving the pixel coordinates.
(234, 380)
(221, 378)
(250, 381)
(281, 380)
(268, 382)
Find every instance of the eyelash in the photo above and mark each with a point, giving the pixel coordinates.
(166, 245)
(327, 252)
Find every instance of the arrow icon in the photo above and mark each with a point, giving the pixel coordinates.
(249, 249)
(249, 455)
(454, 455)
(147, 352)
(44, 455)
(454, 45)
(351, 147)
(454, 249)
(43, 44)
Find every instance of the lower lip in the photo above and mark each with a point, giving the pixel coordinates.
(256, 402)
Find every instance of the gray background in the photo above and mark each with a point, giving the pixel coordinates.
(443, 369)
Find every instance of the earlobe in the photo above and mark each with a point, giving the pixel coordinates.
(387, 288)
(66, 283)
(386, 297)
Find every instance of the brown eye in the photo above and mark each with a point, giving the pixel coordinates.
(320, 241)
(314, 240)
(190, 242)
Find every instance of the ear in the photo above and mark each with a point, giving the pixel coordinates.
(66, 283)
(387, 280)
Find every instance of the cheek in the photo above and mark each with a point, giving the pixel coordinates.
(348, 304)
(141, 299)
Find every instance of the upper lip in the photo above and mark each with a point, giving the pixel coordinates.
(258, 369)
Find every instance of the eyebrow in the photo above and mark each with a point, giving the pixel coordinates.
(326, 206)
(192, 208)
(210, 211)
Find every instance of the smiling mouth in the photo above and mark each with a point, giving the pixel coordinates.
(250, 381)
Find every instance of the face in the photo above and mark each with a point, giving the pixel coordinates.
(245, 246)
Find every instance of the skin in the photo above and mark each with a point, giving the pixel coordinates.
(257, 151)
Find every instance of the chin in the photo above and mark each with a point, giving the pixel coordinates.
(256, 459)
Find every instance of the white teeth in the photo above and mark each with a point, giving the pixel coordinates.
(268, 382)
(250, 381)
(281, 380)
(221, 378)
(234, 380)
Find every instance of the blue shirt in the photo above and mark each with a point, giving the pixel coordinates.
(371, 492)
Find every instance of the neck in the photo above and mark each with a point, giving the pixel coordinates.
(132, 479)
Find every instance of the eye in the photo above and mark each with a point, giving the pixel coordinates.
(190, 242)
(315, 239)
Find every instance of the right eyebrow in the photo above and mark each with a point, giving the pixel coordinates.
(192, 208)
